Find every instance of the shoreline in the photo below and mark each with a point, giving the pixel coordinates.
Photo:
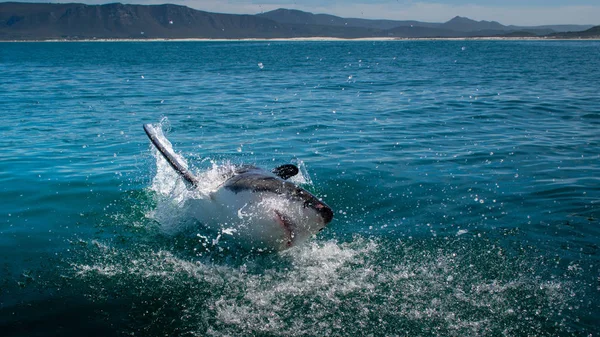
(315, 39)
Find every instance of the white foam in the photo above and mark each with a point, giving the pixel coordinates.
(461, 232)
(315, 288)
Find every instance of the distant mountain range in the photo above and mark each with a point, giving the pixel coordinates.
(44, 21)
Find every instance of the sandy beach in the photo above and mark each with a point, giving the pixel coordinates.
(308, 39)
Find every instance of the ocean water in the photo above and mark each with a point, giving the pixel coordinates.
(464, 177)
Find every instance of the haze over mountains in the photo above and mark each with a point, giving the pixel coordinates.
(42, 21)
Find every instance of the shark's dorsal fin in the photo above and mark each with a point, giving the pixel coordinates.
(170, 156)
(286, 171)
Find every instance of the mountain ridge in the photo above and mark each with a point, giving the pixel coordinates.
(458, 23)
(76, 21)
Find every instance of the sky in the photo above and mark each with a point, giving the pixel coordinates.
(507, 12)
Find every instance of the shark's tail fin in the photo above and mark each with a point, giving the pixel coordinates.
(170, 156)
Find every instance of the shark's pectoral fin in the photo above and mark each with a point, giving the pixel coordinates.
(170, 156)
(286, 171)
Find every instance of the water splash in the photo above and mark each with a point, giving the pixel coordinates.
(338, 288)
(172, 210)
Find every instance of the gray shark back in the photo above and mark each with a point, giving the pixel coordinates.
(254, 179)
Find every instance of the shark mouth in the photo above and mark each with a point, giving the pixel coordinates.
(288, 227)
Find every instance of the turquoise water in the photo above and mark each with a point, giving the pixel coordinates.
(464, 177)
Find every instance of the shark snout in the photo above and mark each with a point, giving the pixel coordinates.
(320, 207)
(325, 212)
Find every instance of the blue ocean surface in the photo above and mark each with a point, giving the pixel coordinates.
(464, 177)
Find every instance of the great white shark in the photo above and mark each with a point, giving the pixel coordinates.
(262, 209)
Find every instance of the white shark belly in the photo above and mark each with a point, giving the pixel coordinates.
(248, 217)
